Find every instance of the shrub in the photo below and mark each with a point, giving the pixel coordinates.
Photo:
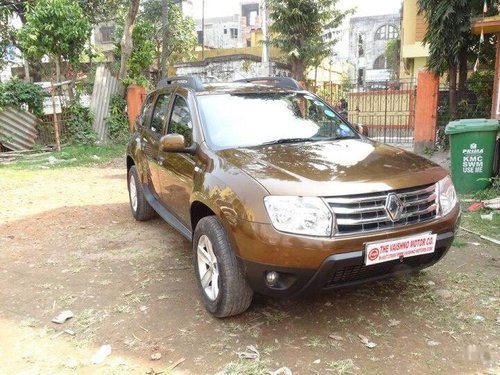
(20, 94)
(79, 125)
(117, 122)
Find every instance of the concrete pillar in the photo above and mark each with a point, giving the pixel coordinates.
(495, 113)
(426, 110)
(135, 97)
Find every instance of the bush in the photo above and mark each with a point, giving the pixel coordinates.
(20, 94)
(117, 122)
(79, 125)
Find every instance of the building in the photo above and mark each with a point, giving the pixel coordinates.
(103, 33)
(414, 53)
(230, 31)
(368, 38)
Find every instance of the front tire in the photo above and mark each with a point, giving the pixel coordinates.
(141, 209)
(223, 287)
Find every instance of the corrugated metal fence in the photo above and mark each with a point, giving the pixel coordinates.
(17, 129)
(105, 85)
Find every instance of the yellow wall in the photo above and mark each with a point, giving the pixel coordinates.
(413, 52)
(256, 51)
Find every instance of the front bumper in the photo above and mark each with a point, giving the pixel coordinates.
(339, 270)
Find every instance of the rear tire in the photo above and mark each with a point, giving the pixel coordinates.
(223, 287)
(141, 209)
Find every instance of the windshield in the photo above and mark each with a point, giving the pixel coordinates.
(246, 120)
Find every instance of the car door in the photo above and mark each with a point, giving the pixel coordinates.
(151, 139)
(177, 171)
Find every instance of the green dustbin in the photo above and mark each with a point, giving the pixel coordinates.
(472, 144)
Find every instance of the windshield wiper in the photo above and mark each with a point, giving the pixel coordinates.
(289, 140)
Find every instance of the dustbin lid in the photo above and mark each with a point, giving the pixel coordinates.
(472, 125)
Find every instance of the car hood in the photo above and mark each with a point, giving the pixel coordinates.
(342, 167)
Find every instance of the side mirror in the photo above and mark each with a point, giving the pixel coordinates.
(176, 143)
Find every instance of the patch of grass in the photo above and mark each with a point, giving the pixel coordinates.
(276, 316)
(341, 367)
(314, 342)
(87, 318)
(29, 322)
(131, 342)
(458, 242)
(245, 367)
(70, 156)
(474, 222)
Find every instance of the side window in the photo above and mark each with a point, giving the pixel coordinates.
(159, 113)
(180, 120)
(146, 107)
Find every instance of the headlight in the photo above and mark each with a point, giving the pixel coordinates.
(300, 215)
(447, 196)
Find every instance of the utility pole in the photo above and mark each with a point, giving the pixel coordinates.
(265, 35)
(203, 30)
(164, 42)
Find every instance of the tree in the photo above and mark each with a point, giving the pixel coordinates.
(299, 26)
(141, 56)
(392, 57)
(58, 29)
(448, 36)
(181, 36)
(126, 42)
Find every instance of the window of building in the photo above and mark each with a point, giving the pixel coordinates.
(107, 33)
(361, 45)
(380, 63)
(234, 33)
(386, 32)
(225, 31)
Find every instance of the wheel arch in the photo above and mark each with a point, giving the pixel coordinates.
(130, 162)
(198, 211)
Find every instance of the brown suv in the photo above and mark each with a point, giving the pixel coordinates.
(278, 194)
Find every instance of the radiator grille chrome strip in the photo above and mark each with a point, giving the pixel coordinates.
(368, 213)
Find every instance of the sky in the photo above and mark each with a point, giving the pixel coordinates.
(218, 8)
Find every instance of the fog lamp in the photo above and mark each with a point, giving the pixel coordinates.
(272, 278)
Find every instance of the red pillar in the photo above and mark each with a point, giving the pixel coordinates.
(494, 100)
(426, 110)
(135, 96)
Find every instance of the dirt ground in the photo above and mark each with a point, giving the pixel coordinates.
(68, 241)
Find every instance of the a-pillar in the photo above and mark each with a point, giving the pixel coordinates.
(426, 110)
(135, 97)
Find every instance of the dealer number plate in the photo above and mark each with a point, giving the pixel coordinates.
(385, 251)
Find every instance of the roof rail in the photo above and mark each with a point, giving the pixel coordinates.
(192, 82)
(284, 82)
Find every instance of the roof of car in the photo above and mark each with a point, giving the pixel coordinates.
(247, 85)
(241, 87)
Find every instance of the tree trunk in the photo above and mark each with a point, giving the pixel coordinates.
(54, 117)
(57, 60)
(126, 41)
(462, 76)
(452, 72)
(26, 71)
(298, 70)
(164, 41)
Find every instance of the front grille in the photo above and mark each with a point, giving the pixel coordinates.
(358, 272)
(367, 213)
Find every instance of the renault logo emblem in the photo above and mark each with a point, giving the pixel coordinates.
(393, 207)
